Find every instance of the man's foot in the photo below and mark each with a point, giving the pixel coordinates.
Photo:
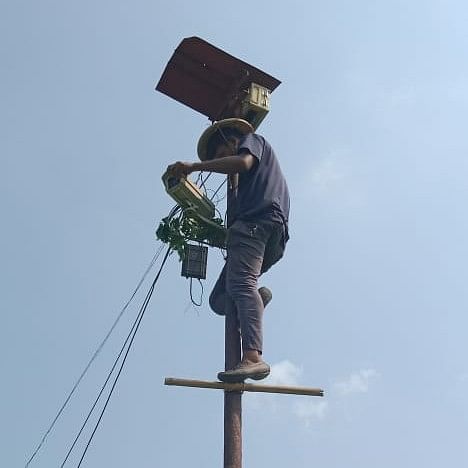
(247, 370)
(266, 295)
(264, 292)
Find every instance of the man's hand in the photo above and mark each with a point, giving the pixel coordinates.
(224, 165)
(179, 169)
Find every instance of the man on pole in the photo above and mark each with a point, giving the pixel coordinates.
(257, 234)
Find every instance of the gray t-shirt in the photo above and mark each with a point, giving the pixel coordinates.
(262, 192)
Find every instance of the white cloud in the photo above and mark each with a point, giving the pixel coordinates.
(306, 409)
(357, 382)
(327, 173)
(310, 410)
(331, 178)
(284, 373)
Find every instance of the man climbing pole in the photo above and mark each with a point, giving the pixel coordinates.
(257, 234)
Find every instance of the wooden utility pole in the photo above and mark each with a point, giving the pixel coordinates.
(232, 399)
(232, 356)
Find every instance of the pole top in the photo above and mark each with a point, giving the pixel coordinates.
(209, 80)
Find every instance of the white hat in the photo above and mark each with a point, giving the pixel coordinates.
(239, 124)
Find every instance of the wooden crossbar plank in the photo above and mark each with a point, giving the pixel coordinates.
(243, 387)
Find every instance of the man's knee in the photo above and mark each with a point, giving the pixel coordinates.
(241, 287)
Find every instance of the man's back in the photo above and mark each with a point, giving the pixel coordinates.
(263, 191)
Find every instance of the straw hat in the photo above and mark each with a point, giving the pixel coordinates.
(239, 124)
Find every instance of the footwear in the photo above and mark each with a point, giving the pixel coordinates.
(264, 292)
(266, 295)
(255, 371)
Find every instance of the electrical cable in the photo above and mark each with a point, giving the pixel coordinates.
(102, 388)
(218, 212)
(130, 336)
(94, 356)
(214, 197)
(198, 304)
(218, 189)
(173, 212)
(95, 402)
(200, 181)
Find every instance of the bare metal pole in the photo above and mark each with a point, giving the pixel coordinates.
(232, 356)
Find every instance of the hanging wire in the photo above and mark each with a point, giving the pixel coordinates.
(95, 402)
(218, 189)
(214, 197)
(198, 304)
(94, 356)
(199, 178)
(175, 209)
(200, 181)
(106, 381)
(131, 337)
(218, 212)
(220, 198)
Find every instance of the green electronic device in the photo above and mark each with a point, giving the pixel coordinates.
(197, 223)
(189, 196)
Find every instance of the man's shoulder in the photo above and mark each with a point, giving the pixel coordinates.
(254, 144)
(252, 137)
(257, 141)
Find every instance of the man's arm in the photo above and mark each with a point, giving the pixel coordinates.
(227, 165)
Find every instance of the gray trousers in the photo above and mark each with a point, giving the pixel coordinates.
(252, 248)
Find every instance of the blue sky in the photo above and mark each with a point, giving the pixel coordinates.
(370, 300)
